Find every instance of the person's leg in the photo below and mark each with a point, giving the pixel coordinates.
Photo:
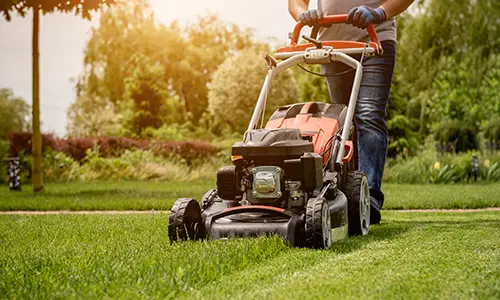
(339, 80)
(370, 115)
(371, 119)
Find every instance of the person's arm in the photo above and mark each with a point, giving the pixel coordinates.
(393, 8)
(297, 7)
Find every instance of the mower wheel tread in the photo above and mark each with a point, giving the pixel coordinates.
(184, 216)
(352, 189)
(314, 223)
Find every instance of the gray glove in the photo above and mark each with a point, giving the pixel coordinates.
(311, 17)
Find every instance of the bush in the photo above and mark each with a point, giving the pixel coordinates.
(143, 165)
(77, 148)
(457, 133)
(428, 167)
(492, 130)
(59, 167)
(21, 142)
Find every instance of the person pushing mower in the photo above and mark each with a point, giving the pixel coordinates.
(376, 80)
(297, 175)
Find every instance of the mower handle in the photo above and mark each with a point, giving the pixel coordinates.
(333, 19)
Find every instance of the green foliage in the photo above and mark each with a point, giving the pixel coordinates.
(15, 114)
(58, 167)
(4, 154)
(155, 74)
(447, 68)
(429, 167)
(312, 88)
(47, 6)
(492, 130)
(144, 165)
(236, 86)
(90, 116)
(461, 136)
(402, 138)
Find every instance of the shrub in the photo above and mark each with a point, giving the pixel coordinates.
(143, 165)
(491, 132)
(57, 166)
(428, 167)
(77, 148)
(21, 141)
(462, 136)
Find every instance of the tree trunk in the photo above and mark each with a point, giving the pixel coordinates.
(37, 179)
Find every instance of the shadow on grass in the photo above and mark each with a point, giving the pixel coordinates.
(393, 229)
(377, 233)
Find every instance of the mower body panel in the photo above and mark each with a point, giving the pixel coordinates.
(317, 121)
(226, 219)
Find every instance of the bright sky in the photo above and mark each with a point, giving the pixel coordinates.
(63, 37)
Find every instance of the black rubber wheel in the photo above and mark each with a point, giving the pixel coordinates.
(358, 198)
(318, 224)
(185, 220)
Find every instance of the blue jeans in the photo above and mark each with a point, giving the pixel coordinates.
(371, 116)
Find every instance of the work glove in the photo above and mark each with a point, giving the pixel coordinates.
(362, 16)
(311, 17)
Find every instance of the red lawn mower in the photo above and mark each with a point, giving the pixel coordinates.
(297, 176)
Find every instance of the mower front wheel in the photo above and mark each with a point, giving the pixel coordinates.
(318, 224)
(185, 221)
(358, 199)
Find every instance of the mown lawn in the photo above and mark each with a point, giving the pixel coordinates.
(410, 255)
(135, 195)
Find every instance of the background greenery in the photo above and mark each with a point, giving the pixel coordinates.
(198, 82)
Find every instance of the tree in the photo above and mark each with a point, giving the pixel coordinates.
(14, 112)
(91, 117)
(446, 69)
(236, 86)
(79, 7)
(172, 62)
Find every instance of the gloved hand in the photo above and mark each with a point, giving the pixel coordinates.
(362, 16)
(311, 17)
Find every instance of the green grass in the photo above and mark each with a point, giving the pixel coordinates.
(445, 196)
(135, 195)
(410, 255)
(103, 195)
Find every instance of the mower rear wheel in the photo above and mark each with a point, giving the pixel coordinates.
(358, 198)
(318, 224)
(185, 220)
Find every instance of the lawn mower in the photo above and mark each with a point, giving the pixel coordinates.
(297, 176)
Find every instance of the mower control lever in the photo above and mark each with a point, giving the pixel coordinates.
(316, 43)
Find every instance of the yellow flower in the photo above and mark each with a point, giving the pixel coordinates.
(437, 165)
(486, 163)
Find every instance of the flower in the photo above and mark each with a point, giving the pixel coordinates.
(437, 165)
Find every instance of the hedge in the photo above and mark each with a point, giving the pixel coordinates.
(110, 146)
